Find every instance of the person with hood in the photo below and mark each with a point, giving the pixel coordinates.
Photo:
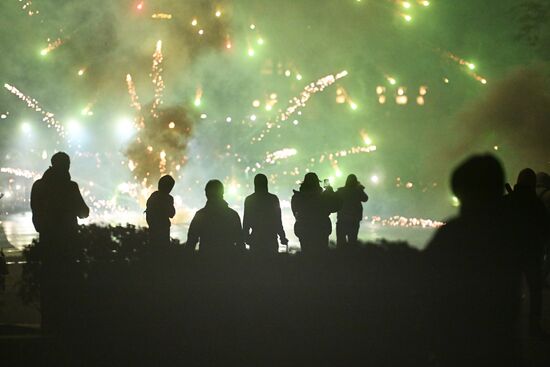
(531, 224)
(216, 227)
(350, 214)
(312, 206)
(56, 203)
(160, 208)
(262, 219)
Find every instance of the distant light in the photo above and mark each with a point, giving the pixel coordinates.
(353, 106)
(483, 81)
(287, 73)
(295, 122)
(197, 102)
(7, 194)
(140, 6)
(375, 179)
(471, 66)
(420, 100)
(407, 17)
(256, 103)
(228, 119)
(401, 100)
(201, 32)
(253, 26)
(74, 127)
(367, 140)
(261, 41)
(446, 80)
(250, 52)
(81, 72)
(26, 127)
(425, 3)
(392, 81)
(228, 45)
(171, 125)
(401, 91)
(194, 22)
(125, 128)
(3, 116)
(44, 52)
(455, 201)
(203, 116)
(268, 107)
(423, 90)
(253, 117)
(298, 76)
(380, 90)
(382, 99)
(406, 4)
(338, 172)
(495, 147)
(273, 96)
(218, 13)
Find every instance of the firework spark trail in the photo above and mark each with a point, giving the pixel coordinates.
(48, 117)
(156, 78)
(404, 222)
(51, 46)
(300, 102)
(297, 103)
(470, 66)
(139, 120)
(285, 153)
(27, 6)
(20, 173)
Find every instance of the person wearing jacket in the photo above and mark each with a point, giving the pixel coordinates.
(352, 195)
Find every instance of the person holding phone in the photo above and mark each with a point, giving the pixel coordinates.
(312, 206)
(353, 196)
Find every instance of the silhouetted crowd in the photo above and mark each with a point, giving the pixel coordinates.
(477, 259)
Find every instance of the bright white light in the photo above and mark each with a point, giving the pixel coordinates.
(125, 128)
(253, 117)
(374, 179)
(74, 128)
(26, 127)
(228, 119)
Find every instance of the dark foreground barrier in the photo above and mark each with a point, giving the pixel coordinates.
(132, 303)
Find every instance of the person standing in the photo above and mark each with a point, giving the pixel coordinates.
(56, 203)
(312, 206)
(262, 219)
(160, 208)
(352, 195)
(216, 227)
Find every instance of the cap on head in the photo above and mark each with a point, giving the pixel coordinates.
(214, 189)
(61, 161)
(166, 183)
(479, 179)
(527, 178)
(260, 182)
(352, 180)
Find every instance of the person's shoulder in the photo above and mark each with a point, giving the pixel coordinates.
(74, 185)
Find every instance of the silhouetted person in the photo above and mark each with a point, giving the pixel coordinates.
(543, 192)
(311, 206)
(3, 271)
(216, 227)
(262, 219)
(352, 195)
(160, 208)
(476, 273)
(531, 223)
(56, 204)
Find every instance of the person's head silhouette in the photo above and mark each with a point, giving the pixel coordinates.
(260, 183)
(311, 182)
(61, 161)
(166, 184)
(527, 179)
(478, 181)
(214, 190)
(352, 181)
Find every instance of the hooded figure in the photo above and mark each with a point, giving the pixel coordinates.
(56, 202)
(216, 227)
(160, 208)
(531, 223)
(311, 206)
(350, 214)
(262, 219)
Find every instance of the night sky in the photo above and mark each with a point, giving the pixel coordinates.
(228, 71)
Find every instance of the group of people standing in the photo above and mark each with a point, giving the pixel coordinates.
(217, 228)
